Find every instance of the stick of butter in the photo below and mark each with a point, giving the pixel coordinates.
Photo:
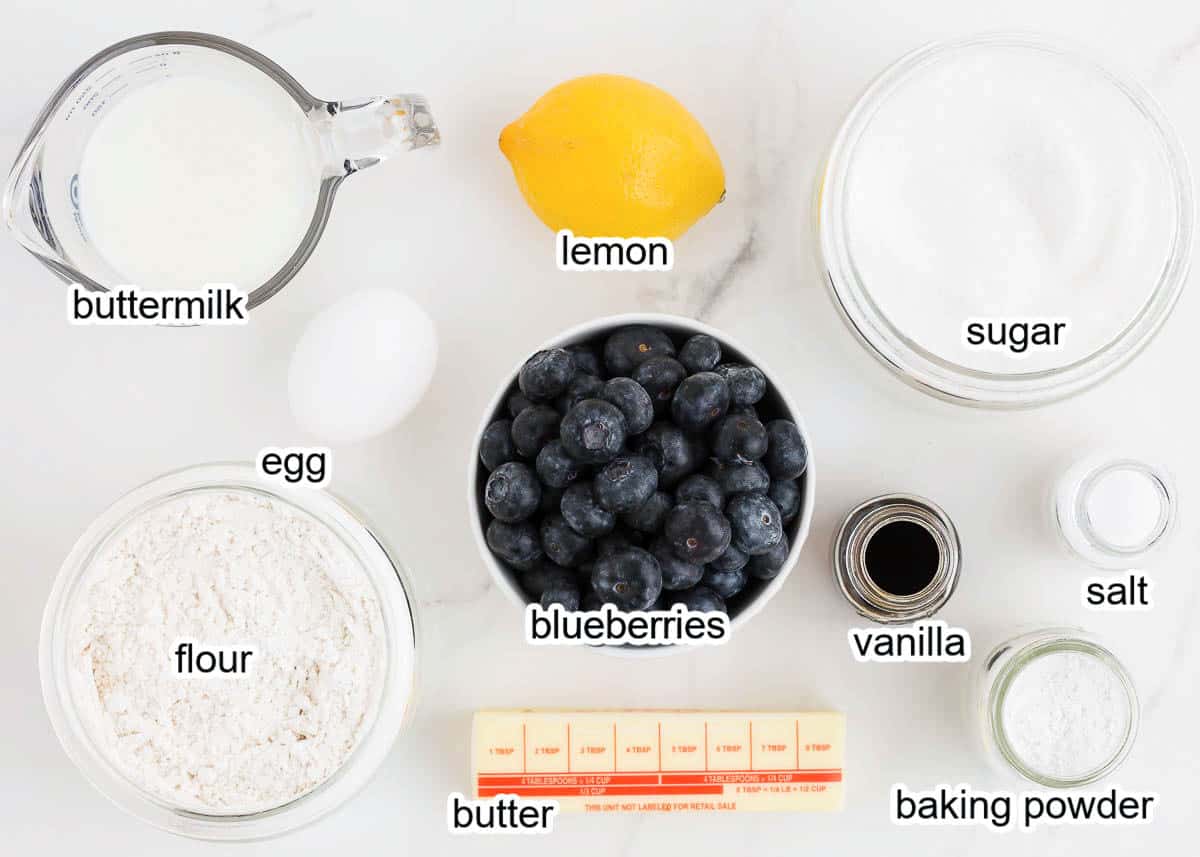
(662, 761)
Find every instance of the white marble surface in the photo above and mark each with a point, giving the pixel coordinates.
(88, 413)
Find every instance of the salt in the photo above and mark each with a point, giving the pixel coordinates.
(1125, 508)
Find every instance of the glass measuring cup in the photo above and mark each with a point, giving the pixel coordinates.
(42, 198)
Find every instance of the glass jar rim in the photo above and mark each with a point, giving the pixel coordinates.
(1163, 490)
(850, 544)
(391, 711)
(1062, 641)
(951, 381)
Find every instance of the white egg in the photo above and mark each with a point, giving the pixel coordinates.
(361, 365)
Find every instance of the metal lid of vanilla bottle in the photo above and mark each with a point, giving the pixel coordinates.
(897, 558)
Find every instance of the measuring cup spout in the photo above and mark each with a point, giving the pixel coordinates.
(361, 133)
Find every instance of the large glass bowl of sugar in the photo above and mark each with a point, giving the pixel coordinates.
(1004, 222)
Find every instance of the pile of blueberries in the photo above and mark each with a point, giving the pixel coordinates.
(633, 472)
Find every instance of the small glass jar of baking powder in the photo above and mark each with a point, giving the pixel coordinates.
(1113, 510)
(1055, 707)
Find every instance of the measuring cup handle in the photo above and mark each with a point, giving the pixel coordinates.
(363, 132)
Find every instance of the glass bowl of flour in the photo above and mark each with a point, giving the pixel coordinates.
(1003, 221)
(228, 657)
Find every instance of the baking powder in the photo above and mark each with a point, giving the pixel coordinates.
(1066, 714)
(227, 567)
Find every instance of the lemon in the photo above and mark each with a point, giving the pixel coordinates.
(606, 155)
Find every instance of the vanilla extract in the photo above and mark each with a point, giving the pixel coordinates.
(897, 558)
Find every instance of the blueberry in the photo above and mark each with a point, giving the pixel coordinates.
(787, 456)
(676, 573)
(747, 385)
(631, 579)
(518, 402)
(740, 477)
(551, 500)
(670, 451)
(533, 427)
(660, 376)
(786, 495)
(496, 447)
(700, 487)
(590, 601)
(697, 531)
(739, 437)
(756, 521)
(725, 583)
(632, 400)
(701, 353)
(583, 514)
(565, 596)
(701, 599)
(732, 560)
(587, 359)
(512, 492)
(593, 432)
(625, 483)
(613, 543)
(546, 374)
(634, 345)
(699, 401)
(554, 467)
(516, 544)
(582, 386)
(562, 544)
(539, 579)
(745, 411)
(768, 565)
(650, 516)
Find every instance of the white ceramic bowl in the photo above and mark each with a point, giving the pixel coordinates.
(507, 579)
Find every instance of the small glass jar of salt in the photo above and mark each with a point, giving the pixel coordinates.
(1055, 707)
(1114, 510)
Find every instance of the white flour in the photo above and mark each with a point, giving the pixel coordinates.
(227, 567)
(1066, 714)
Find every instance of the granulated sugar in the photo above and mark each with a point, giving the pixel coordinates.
(227, 568)
(1066, 714)
(1009, 183)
